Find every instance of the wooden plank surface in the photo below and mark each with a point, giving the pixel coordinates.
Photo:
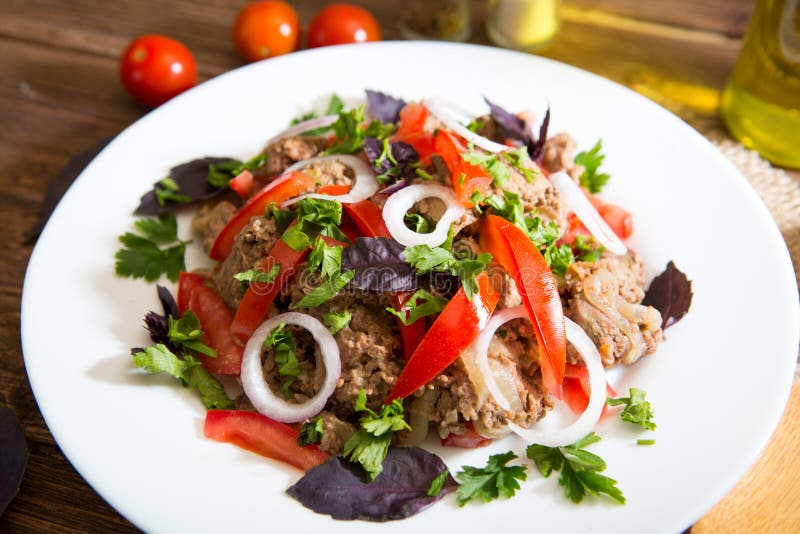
(59, 95)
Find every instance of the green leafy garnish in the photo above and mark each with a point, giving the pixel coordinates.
(584, 249)
(282, 343)
(311, 433)
(559, 258)
(580, 469)
(350, 131)
(159, 359)
(315, 216)
(259, 277)
(418, 223)
(438, 483)
(637, 409)
(326, 258)
(488, 483)
(645, 442)
(220, 174)
(186, 332)
(283, 218)
(368, 446)
(426, 259)
(329, 287)
(492, 164)
(591, 179)
(475, 125)
(517, 158)
(413, 309)
(141, 257)
(167, 190)
(336, 321)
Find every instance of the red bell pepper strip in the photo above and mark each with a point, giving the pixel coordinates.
(215, 319)
(411, 130)
(262, 435)
(410, 335)
(468, 440)
(467, 178)
(453, 330)
(577, 390)
(512, 248)
(259, 296)
(279, 190)
(242, 184)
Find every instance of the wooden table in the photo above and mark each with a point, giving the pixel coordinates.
(59, 94)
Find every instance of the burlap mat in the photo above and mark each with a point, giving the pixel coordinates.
(779, 191)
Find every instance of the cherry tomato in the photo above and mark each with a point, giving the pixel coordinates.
(155, 68)
(266, 29)
(342, 24)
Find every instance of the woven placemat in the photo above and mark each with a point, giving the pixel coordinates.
(779, 191)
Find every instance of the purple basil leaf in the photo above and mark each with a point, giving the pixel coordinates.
(192, 181)
(395, 187)
(670, 293)
(383, 107)
(373, 148)
(158, 327)
(379, 265)
(13, 457)
(535, 147)
(510, 125)
(168, 302)
(337, 487)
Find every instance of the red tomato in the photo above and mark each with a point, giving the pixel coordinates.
(468, 440)
(342, 24)
(154, 68)
(262, 435)
(266, 29)
(467, 178)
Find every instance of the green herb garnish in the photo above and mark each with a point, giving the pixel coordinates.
(490, 482)
(141, 256)
(591, 179)
(637, 409)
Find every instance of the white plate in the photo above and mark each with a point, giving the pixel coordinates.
(718, 384)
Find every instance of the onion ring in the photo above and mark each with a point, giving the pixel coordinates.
(396, 206)
(364, 186)
(305, 126)
(448, 118)
(259, 392)
(574, 198)
(597, 396)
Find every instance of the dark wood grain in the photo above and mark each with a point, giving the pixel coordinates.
(59, 95)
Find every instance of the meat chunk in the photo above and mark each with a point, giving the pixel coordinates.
(335, 433)
(558, 154)
(285, 152)
(210, 220)
(604, 298)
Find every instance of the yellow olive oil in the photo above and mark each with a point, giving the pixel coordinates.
(761, 102)
(527, 25)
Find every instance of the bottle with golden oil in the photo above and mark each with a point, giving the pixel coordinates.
(527, 25)
(761, 103)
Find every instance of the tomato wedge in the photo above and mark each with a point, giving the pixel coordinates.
(262, 435)
(411, 130)
(279, 190)
(577, 390)
(512, 248)
(215, 319)
(259, 296)
(453, 330)
(467, 178)
(242, 184)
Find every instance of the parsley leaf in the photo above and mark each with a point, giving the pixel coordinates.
(370, 444)
(637, 409)
(350, 131)
(580, 469)
(282, 343)
(488, 483)
(491, 163)
(336, 321)
(426, 259)
(186, 332)
(283, 218)
(325, 258)
(315, 216)
(591, 179)
(584, 249)
(311, 433)
(413, 310)
(259, 277)
(438, 483)
(141, 257)
(335, 106)
(330, 287)
(559, 258)
(518, 158)
(418, 223)
(159, 359)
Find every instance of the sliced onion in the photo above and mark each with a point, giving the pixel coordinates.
(256, 387)
(448, 118)
(305, 126)
(364, 186)
(503, 396)
(597, 396)
(573, 197)
(396, 206)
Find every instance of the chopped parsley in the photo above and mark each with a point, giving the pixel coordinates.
(580, 469)
(315, 217)
(645, 442)
(584, 249)
(490, 482)
(426, 259)
(336, 321)
(350, 131)
(328, 260)
(259, 277)
(220, 174)
(159, 359)
(637, 409)
(418, 223)
(281, 342)
(413, 309)
(369, 445)
(167, 191)
(591, 179)
(186, 332)
(283, 218)
(326, 290)
(475, 125)
(491, 163)
(518, 158)
(311, 433)
(142, 257)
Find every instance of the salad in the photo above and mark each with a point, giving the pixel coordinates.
(399, 270)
